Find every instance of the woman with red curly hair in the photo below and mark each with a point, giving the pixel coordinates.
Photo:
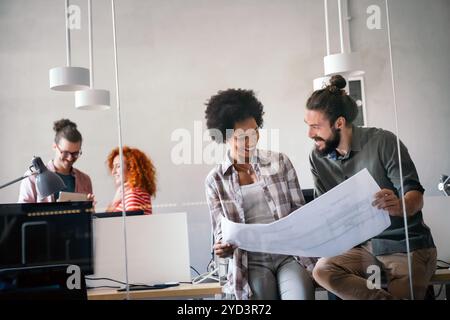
(139, 180)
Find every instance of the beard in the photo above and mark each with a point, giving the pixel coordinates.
(64, 164)
(330, 144)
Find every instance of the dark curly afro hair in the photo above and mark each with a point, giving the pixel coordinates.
(227, 107)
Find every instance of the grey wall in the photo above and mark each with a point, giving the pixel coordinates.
(173, 55)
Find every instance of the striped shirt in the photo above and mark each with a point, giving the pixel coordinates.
(135, 199)
(224, 197)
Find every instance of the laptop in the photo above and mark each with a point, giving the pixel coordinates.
(158, 250)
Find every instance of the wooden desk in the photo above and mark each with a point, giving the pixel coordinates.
(181, 291)
(442, 276)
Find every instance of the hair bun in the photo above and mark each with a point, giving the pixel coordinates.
(61, 124)
(338, 82)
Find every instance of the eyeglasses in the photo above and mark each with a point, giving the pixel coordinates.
(249, 133)
(66, 154)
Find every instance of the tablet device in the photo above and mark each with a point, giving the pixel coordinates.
(72, 196)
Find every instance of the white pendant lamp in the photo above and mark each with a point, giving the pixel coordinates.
(92, 99)
(320, 83)
(345, 63)
(348, 63)
(68, 78)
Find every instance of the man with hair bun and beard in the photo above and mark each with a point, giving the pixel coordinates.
(67, 150)
(342, 150)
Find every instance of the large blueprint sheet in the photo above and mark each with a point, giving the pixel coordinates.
(327, 226)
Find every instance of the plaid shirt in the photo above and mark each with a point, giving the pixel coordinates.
(223, 193)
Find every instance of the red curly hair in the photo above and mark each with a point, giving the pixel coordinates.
(141, 171)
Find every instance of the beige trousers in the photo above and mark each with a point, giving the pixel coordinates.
(347, 275)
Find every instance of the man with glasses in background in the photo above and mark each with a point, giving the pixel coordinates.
(67, 146)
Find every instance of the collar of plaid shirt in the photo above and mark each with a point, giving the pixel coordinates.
(256, 159)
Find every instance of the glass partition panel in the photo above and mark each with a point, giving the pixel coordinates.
(175, 86)
(34, 41)
(219, 118)
(420, 48)
(350, 146)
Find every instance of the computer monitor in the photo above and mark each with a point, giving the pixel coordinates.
(45, 234)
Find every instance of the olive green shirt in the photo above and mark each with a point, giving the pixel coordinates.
(376, 150)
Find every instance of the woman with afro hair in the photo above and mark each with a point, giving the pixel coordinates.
(252, 186)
